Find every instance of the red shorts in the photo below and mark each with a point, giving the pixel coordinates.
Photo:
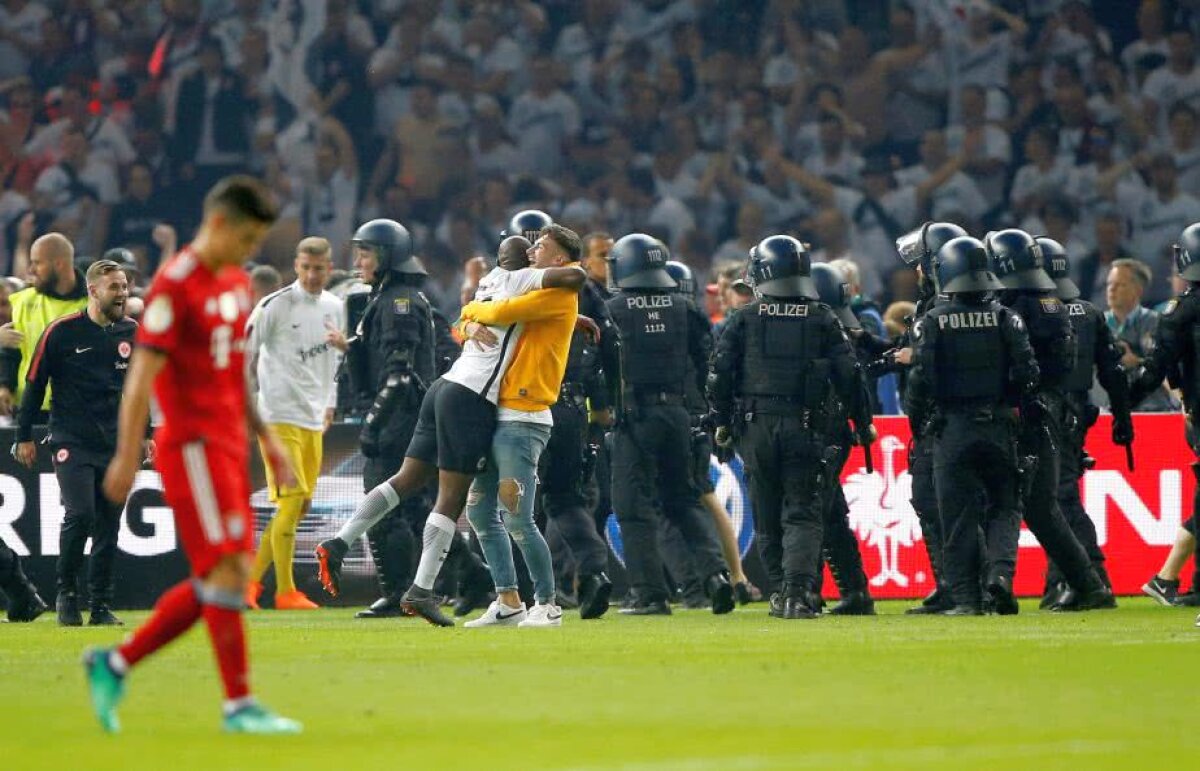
(209, 491)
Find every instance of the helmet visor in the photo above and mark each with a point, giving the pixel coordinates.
(911, 246)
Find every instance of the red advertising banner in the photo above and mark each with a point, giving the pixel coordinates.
(1136, 513)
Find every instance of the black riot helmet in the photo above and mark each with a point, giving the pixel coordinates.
(392, 245)
(919, 246)
(1058, 267)
(528, 223)
(1017, 260)
(1187, 253)
(639, 261)
(962, 265)
(833, 290)
(684, 280)
(780, 267)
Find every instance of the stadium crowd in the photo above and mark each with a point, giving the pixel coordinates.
(705, 122)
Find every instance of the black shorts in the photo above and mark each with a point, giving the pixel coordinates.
(454, 429)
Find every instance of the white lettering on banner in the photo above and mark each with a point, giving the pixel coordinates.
(12, 506)
(1100, 486)
(160, 519)
(53, 514)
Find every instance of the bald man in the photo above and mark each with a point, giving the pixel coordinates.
(56, 288)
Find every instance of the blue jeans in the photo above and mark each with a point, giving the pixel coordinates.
(509, 483)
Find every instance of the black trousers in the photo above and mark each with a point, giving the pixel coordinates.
(650, 468)
(1070, 471)
(840, 546)
(788, 487)
(12, 579)
(974, 458)
(565, 490)
(89, 514)
(1041, 509)
(925, 503)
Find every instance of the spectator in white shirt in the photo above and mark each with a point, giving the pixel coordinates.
(543, 120)
(1156, 216)
(958, 195)
(1179, 81)
(1044, 175)
(1151, 40)
(987, 149)
(834, 160)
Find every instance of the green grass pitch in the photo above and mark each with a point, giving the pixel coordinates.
(1110, 689)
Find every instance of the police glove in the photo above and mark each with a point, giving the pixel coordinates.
(865, 435)
(1122, 431)
(723, 454)
(368, 442)
(1033, 410)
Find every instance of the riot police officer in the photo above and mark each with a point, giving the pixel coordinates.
(651, 443)
(676, 553)
(24, 603)
(391, 359)
(776, 362)
(1017, 261)
(917, 250)
(840, 546)
(1176, 352)
(567, 474)
(971, 354)
(1098, 357)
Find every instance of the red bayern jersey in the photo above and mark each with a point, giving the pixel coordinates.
(198, 319)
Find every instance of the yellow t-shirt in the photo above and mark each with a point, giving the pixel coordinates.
(535, 376)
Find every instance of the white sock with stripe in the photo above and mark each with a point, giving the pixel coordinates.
(439, 533)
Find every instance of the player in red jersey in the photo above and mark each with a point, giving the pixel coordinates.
(191, 350)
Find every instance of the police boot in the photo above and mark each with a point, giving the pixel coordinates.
(800, 602)
(1097, 597)
(102, 615)
(386, 570)
(937, 601)
(999, 590)
(67, 606)
(594, 593)
(24, 603)
(857, 603)
(475, 587)
(962, 610)
(720, 592)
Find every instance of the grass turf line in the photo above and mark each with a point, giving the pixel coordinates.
(693, 692)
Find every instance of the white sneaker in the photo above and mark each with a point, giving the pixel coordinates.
(499, 614)
(543, 614)
(1197, 620)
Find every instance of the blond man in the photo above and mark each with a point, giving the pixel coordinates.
(294, 345)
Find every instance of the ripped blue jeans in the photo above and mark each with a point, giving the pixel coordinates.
(500, 504)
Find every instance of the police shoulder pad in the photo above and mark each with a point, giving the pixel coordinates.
(402, 305)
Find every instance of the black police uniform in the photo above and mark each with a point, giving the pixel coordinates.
(567, 483)
(924, 491)
(968, 352)
(918, 248)
(87, 363)
(776, 362)
(1098, 355)
(1054, 344)
(596, 439)
(24, 604)
(651, 444)
(686, 575)
(392, 359)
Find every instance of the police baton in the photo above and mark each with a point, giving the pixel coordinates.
(1129, 455)
(870, 464)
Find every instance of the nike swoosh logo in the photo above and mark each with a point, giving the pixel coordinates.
(501, 617)
(82, 350)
